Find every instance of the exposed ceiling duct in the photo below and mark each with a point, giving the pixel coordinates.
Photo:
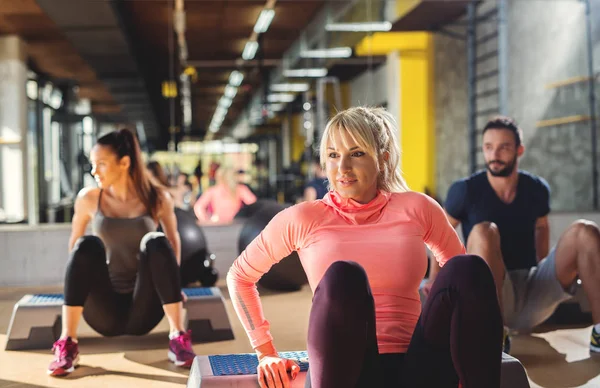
(346, 23)
(94, 29)
(313, 36)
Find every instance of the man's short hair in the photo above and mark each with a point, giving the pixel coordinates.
(505, 122)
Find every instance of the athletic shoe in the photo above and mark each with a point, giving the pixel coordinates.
(66, 357)
(506, 342)
(180, 349)
(595, 341)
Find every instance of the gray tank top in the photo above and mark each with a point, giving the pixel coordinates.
(121, 238)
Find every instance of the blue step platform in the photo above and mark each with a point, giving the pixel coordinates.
(36, 319)
(239, 371)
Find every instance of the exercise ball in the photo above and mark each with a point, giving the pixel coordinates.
(288, 274)
(196, 263)
(248, 211)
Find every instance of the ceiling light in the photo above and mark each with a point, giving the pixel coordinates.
(359, 27)
(225, 102)
(276, 107)
(290, 87)
(317, 72)
(281, 97)
(264, 21)
(230, 91)
(250, 50)
(336, 52)
(236, 78)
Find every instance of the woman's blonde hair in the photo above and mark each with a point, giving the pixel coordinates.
(226, 175)
(375, 131)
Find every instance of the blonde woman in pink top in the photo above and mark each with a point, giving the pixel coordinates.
(220, 203)
(363, 249)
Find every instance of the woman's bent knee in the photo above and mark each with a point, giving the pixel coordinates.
(87, 245)
(152, 241)
(468, 270)
(344, 280)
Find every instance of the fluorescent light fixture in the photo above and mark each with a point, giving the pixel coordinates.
(264, 21)
(250, 50)
(230, 91)
(290, 87)
(359, 27)
(236, 78)
(220, 112)
(281, 97)
(276, 107)
(225, 102)
(316, 72)
(335, 52)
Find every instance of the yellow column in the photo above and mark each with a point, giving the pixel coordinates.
(416, 119)
(297, 137)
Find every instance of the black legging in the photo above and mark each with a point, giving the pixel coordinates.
(458, 336)
(111, 313)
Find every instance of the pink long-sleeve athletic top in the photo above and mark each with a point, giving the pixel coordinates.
(386, 236)
(224, 205)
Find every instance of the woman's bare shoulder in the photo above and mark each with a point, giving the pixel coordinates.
(87, 199)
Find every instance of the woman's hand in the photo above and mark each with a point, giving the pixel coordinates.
(273, 372)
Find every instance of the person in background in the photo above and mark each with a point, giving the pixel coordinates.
(158, 172)
(220, 203)
(316, 188)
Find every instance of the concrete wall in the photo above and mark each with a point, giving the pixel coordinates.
(370, 88)
(546, 44)
(36, 256)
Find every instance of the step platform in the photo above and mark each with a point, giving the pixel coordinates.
(239, 371)
(36, 319)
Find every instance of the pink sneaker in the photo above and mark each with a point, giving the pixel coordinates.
(180, 349)
(66, 357)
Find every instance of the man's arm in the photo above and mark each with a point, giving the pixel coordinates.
(542, 237)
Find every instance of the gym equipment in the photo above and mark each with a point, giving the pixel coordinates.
(248, 211)
(196, 262)
(288, 274)
(36, 319)
(513, 374)
(239, 371)
(209, 275)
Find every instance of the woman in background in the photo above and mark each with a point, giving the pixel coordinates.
(224, 199)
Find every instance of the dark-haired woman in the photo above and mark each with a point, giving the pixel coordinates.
(125, 276)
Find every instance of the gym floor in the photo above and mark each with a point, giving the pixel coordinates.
(553, 358)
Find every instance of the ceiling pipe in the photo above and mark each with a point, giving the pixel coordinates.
(215, 123)
(312, 35)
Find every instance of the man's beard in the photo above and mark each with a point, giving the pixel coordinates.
(506, 171)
